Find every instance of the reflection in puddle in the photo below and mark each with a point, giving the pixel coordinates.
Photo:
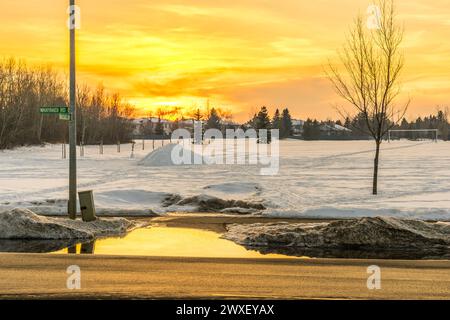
(347, 253)
(191, 242)
(84, 248)
(164, 241)
(151, 241)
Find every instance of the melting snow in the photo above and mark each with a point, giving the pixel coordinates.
(368, 233)
(24, 224)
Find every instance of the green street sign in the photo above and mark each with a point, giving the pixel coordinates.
(54, 110)
(65, 116)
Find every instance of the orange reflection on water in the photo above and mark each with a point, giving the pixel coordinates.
(173, 242)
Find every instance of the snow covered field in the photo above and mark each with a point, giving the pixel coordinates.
(316, 179)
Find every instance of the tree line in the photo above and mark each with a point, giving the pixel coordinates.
(217, 118)
(312, 128)
(438, 121)
(280, 121)
(24, 90)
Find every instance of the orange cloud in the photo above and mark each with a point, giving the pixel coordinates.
(238, 54)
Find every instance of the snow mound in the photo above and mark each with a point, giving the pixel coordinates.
(382, 233)
(207, 203)
(163, 156)
(25, 224)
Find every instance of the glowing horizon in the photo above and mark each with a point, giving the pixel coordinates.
(239, 56)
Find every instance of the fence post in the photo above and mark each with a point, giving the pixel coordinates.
(63, 151)
(132, 149)
(118, 146)
(81, 149)
(143, 144)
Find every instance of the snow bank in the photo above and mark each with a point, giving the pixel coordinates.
(207, 203)
(366, 233)
(24, 224)
(163, 156)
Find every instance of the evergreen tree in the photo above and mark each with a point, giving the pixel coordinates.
(348, 123)
(276, 120)
(443, 126)
(214, 121)
(262, 122)
(262, 119)
(311, 130)
(404, 124)
(286, 124)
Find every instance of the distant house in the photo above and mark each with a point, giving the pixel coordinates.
(334, 130)
(341, 128)
(137, 126)
(297, 127)
(148, 126)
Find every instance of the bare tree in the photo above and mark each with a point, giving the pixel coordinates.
(83, 96)
(24, 89)
(369, 79)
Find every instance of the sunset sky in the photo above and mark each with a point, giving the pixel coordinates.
(238, 54)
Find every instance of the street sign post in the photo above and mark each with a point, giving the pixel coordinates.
(69, 114)
(72, 205)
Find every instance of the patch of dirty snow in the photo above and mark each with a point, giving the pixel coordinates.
(25, 224)
(371, 233)
(207, 203)
(238, 210)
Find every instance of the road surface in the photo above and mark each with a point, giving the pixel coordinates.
(44, 276)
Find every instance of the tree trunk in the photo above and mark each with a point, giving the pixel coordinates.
(375, 168)
(39, 131)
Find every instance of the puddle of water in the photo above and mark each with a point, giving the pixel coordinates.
(161, 240)
(165, 241)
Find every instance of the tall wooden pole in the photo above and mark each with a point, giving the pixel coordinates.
(73, 120)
